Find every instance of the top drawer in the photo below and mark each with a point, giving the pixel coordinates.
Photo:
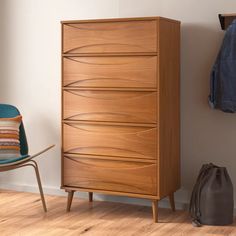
(110, 37)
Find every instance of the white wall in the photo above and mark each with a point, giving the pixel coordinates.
(30, 78)
(30, 75)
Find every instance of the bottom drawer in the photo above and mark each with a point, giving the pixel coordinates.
(122, 176)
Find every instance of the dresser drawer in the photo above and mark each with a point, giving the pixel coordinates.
(115, 106)
(121, 71)
(110, 140)
(124, 176)
(110, 37)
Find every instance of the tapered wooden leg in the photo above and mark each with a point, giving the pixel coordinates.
(39, 184)
(90, 196)
(69, 200)
(155, 210)
(172, 201)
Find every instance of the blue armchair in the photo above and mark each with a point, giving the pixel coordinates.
(8, 111)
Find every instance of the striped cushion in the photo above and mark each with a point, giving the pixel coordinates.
(9, 137)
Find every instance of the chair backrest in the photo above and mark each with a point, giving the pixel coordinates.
(8, 111)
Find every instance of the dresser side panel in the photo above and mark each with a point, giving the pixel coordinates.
(169, 107)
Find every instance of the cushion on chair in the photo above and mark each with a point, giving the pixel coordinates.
(9, 137)
(8, 111)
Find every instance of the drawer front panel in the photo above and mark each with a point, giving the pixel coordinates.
(124, 176)
(113, 106)
(129, 71)
(110, 140)
(110, 37)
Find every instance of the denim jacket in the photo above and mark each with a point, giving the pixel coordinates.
(223, 75)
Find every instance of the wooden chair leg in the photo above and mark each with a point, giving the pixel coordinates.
(39, 184)
(90, 196)
(155, 210)
(172, 201)
(69, 200)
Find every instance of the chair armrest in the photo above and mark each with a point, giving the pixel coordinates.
(25, 160)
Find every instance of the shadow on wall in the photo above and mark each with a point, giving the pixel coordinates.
(4, 60)
(203, 130)
(200, 46)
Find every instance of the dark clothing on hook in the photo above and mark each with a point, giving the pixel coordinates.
(223, 76)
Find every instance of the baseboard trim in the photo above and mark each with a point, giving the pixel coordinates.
(182, 196)
(179, 196)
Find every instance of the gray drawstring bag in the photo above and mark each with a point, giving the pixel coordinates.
(212, 197)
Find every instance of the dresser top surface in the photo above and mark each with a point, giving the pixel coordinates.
(118, 20)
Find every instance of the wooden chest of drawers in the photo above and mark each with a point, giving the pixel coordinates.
(120, 108)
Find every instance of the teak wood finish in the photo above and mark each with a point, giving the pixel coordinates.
(120, 108)
(107, 37)
(111, 106)
(107, 71)
(123, 176)
(110, 140)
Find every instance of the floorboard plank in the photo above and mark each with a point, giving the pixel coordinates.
(22, 214)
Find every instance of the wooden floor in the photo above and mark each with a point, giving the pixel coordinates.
(22, 214)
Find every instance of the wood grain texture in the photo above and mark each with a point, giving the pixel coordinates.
(113, 54)
(110, 37)
(121, 105)
(155, 210)
(99, 219)
(109, 158)
(113, 193)
(69, 199)
(133, 19)
(169, 108)
(124, 176)
(109, 140)
(112, 106)
(121, 71)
